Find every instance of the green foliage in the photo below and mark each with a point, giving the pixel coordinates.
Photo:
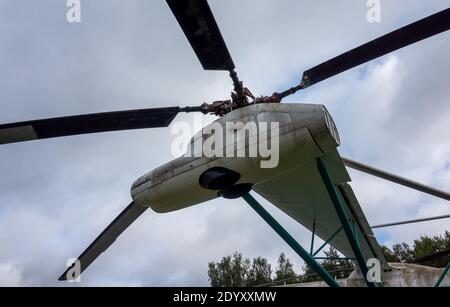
(260, 273)
(285, 270)
(423, 246)
(403, 252)
(229, 272)
(236, 271)
(388, 254)
(239, 272)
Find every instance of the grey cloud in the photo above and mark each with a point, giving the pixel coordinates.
(57, 195)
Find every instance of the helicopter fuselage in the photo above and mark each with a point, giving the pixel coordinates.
(303, 132)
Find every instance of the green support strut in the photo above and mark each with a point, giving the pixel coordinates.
(444, 272)
(290, 241)
(344, 219)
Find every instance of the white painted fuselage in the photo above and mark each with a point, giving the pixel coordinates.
(305, 132)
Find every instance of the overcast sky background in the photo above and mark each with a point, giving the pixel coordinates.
(57, 195)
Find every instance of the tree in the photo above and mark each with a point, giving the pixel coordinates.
(388, 254)
(235, 271)
(403, 253)
(229, 272)
(213, 275)
(285, 270)
(239, 270)
(220, 273)
(260, 272)
(424, 246)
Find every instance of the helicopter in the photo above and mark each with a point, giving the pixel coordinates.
(305, 133)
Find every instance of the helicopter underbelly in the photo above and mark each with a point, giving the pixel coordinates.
(304, 133)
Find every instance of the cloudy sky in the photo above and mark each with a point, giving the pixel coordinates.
(57, 195)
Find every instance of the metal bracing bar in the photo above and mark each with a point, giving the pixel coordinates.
(339, 207)
(327, 241)
(444, 272)
(396, 179)
(413, 221)
(290, 241)
(312, 237)
(334, 258)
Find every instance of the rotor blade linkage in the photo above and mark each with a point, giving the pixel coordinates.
(200, 27)
(396, 179)
(105, 239)
(90, 123)
(410, 34)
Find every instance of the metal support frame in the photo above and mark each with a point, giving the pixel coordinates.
(444, 272)
(334, 258)
(396, 179)
(433, 218)
(313, 254)
(327, 241)
(290, 241)
(340, 210)
(312, 238)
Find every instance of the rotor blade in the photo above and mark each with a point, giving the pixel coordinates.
(200, 27)
(396, 179)
(89, 123)
(417, 31)
(106, 238)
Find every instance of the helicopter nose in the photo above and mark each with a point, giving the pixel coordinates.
(143, 180)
